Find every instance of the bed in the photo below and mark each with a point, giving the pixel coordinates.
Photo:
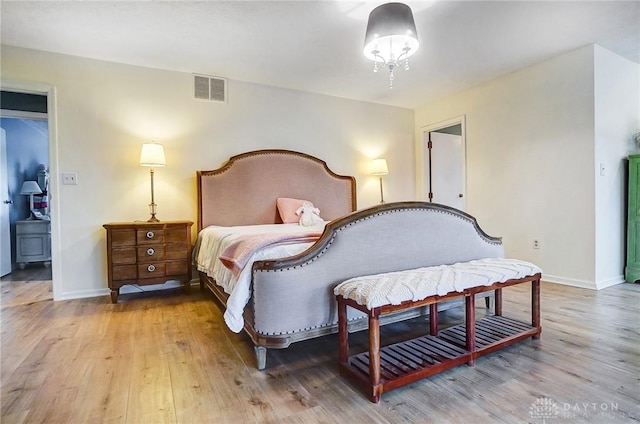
(283, 292)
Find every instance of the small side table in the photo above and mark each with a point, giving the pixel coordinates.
(146, 253)
(33, 242)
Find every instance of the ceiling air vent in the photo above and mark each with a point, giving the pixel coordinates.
(210, 88)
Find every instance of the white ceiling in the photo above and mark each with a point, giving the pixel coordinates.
(316, 46)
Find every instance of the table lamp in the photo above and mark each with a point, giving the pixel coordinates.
(152, 155)
(380, 168)
(30, 188)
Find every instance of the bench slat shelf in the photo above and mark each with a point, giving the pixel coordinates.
(492, 333)
(428, 355)
(381, 369)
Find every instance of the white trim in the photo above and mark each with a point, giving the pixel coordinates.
(420, 154)
(598, 285)
(54, 186)
(610, 282)
(81, 294)
(128, 289)
(569, 281)
(21, 114)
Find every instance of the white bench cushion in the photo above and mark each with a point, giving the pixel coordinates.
(393, 288)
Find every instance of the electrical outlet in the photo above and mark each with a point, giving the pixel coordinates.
(536, 244)
(70, 178)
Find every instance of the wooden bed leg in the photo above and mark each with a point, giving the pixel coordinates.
(261, 357)
(343, 336)
(433, 319)
(470, 327)
(535, 306)
(374, 355)
(498, 305)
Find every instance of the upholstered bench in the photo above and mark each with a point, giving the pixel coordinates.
(390, 367)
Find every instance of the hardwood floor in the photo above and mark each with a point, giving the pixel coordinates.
(31, 284)
(167, 357)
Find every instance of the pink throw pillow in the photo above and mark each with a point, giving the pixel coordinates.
(287, 208)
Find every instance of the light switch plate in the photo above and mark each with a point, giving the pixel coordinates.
(70, 178)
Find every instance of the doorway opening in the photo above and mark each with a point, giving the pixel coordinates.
(442, 161)
(25, 192)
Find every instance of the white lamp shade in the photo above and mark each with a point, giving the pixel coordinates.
(379, 167)
(152, 154)
(30, 187)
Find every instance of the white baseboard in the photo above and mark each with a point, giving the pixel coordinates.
(123, 290)
(569, 281)
(83, 294)
(598, 285)
(610, 282)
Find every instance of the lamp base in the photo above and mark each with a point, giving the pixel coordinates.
(381, 192)
(152, 209)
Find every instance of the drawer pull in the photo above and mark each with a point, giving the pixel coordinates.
(151, 268)
(150, 251)
(150, 234)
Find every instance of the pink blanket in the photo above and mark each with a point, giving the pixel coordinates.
(238, 253)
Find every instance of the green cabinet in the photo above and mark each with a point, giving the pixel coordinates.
(632, 270)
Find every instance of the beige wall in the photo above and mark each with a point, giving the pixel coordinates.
(535, 142)
(105, 111)
(530, 151)
(617, 119)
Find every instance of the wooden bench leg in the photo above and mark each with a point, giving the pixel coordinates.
(535, 306)
(470, 327)
(374, 356)
(498, 302)
(343, 336)
(433, 319)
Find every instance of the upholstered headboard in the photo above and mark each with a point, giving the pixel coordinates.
(244, 190)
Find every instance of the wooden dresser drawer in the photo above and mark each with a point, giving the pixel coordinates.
(125, 237)
(151, 253)
(125, 272)
(151, 270)
(123, 255)
(146, 253)
(175, 251)
(176, 267)
(176, 235)
(150, 236)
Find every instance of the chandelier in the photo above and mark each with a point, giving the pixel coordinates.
(391, 37)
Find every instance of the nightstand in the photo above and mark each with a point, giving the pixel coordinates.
(33, 242)
(144, 253)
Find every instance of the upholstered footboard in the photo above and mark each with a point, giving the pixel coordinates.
(293, 297)
(262, 341)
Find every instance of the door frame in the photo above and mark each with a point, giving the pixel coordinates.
(54, 181)
(5, 219)
(421, 165)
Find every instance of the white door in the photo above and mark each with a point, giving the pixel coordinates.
(5, 204)
(446, 179)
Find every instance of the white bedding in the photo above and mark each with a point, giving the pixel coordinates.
(213, 240)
